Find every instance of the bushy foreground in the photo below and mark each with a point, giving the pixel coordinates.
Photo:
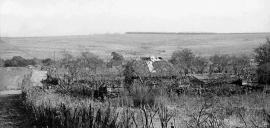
(147, 108)
(49, 109)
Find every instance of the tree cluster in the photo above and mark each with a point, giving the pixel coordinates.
(18, 61)
(187, 62)
(262, 53)
(262, 58)
(117, 60)
(82, 66)
(182, 60)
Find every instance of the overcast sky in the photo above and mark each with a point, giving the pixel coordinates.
(76, 17)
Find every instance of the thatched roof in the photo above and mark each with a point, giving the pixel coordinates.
(162, 68)
(217, 78)
(195, 81)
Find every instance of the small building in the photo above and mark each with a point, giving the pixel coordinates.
(149, 69)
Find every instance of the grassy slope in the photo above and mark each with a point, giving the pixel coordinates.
(132, 45)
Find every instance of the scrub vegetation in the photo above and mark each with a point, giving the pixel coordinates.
(202, 92)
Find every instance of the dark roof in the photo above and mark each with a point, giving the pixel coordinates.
(162, 69)
(195, 80)
(217, 78)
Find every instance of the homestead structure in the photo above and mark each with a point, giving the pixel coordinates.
(218, 79)
(151, 69)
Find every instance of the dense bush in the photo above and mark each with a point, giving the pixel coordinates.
(117, 59)
(240, 64)
(186, 62)
(263, 72)
(142, 96)
(81, 67)
(128, 72)
(200, 64)
(219, 63)
(262, 53)
(18, 61)
(262, 57)
(48, 108)
(47, 62)
(183, 60)
(94, 89)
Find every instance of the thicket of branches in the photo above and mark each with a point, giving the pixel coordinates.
(262, 57)
(186, 61)
(262, 53)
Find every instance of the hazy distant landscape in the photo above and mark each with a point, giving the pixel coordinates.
(131, 45)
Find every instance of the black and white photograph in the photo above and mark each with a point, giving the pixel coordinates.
(134, 63)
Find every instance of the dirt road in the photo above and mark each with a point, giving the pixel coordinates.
(11, 110)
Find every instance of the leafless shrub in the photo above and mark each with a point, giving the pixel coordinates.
(205, 117)
(267, 117)
(164, 115)
(128, 119)
(147, 113)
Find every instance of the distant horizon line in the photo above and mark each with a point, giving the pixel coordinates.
(138, 32)
(196, 33)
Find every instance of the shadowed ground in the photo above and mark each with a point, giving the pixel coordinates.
(12, 114)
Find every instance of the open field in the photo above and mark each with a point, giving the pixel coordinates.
(131, 45)
(11, 77)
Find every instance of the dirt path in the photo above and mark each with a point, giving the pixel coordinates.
(11, 110)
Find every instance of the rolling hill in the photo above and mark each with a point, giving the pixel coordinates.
(131, 45)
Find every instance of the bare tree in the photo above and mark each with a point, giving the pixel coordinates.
(219, 63)
(262, 53)
(117, 60)
(262, 57)
(80, 67)
(183, 60)
(90, 60)
(239, 64)
(200, 64)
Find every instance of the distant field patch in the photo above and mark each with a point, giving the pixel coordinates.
(131, 45)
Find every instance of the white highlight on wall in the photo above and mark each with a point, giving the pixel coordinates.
(150, 63)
